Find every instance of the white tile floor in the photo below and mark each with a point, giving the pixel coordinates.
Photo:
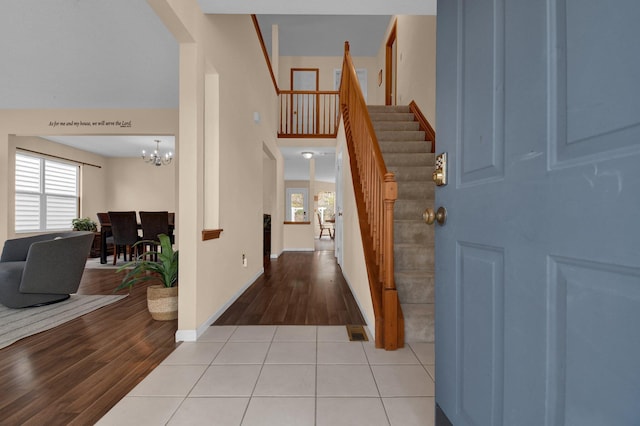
(283, 375)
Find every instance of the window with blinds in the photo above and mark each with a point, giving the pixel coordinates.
(46, 194)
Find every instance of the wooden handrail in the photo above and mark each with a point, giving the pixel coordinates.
(376, 191)
(425, 126)
(264, 51)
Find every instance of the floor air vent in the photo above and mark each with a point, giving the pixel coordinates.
(357, 333)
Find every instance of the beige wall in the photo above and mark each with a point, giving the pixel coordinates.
(416, 62)
(211, 272)
(132, 184)
(29, 123)
(299, 237)
(326, 66)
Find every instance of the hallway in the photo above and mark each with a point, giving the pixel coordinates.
(298, 288)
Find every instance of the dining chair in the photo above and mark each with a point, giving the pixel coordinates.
(124, 226)
(106, 236)
(172, 227)
(154, 224)
(323, 227)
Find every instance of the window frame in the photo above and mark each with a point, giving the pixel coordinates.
(45, 196)
(305, 201)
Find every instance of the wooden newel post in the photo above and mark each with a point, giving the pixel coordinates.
(390, 195)
(390, 294)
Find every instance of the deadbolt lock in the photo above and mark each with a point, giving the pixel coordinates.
(440, 173)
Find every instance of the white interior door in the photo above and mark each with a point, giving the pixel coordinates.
(338, 224)
(538, 264)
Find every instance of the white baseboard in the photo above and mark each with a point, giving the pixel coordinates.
(192, 335)
(300, 249)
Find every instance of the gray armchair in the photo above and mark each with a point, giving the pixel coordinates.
(42, 269)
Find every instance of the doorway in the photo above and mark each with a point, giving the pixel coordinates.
(326, 217)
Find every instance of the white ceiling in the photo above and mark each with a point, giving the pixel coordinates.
(118, 54)
(85, 54)
(296, 167)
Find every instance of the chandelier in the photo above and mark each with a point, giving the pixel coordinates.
(157, 159)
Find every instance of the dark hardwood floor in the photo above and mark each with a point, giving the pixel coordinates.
(299, 288)
(74, 373)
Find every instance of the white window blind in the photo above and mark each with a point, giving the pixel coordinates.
(46, 194)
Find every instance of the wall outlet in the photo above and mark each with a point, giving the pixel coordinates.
(244, 260)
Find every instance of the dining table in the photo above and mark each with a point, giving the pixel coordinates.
(333, 223)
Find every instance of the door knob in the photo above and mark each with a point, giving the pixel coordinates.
(439, 216)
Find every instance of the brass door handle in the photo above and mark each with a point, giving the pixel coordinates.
(439, 216)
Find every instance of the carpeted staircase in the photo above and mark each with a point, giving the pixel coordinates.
(409, 156)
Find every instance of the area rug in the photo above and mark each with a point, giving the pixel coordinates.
(94, 263)
(16, 324)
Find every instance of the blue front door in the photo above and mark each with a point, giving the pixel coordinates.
(538, 264)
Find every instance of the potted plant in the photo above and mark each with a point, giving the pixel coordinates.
(162, 299)
(84, 224)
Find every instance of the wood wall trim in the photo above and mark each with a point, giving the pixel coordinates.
(211, 234)
(425, 126)
(57, 157)
(297, 223)
(308, 135)
(389, 75)
(264, 51)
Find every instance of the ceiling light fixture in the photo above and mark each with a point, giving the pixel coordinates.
(156, 158)
(307, 155)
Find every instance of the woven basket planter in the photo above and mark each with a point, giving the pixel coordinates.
(162, 302)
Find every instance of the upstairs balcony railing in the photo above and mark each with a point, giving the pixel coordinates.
(303, 114)
(308, 114)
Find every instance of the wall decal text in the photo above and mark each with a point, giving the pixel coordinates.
(102, 123)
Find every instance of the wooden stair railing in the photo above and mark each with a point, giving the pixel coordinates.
(376, 191)
(425, 126)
